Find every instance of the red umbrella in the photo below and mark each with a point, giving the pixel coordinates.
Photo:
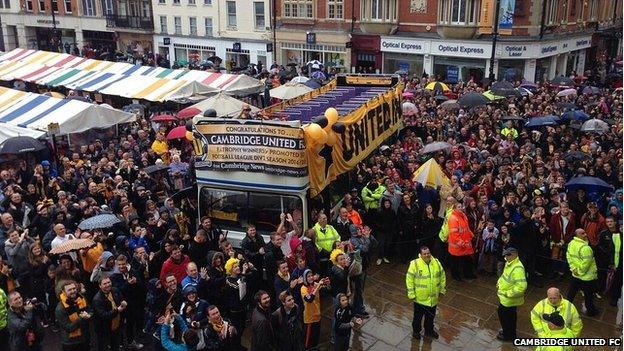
(189, 112)
(177, 133)
(164, 118)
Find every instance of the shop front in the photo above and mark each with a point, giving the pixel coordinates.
(99, 39)
(46, 40)
(234, 54)
(404, 54)
(296, 48)
(365, 54)
(460, 61)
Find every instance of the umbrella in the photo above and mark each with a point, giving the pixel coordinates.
(595, 126)
(155, 168)
(318, 75)
(134, 107)
(435, 146)
(512, 118)
(562, 81)
(576, 115)
(312, 84)
(472, 99)
(589, 184)
(542, 121)
(54, 94)
(450, 105)
(72, 245)
(315, 62)
(223, 104)
(568, 106)
(101, 221)
(441, 98)
(289, 91)
(401, 72)
(567, 92)
(20, 144)
(189, 112)
(408, 95)
(164, 118)
(576, 156)
(588, 90)
(431, 174)
(504, 89)
(437, 86)
(299, 79)
(491, 96)
(525, 92)
(177, 133)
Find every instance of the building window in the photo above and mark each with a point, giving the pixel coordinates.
(259, 15)
(459, 12)
(163, 24)
(29, 5)
(161, 2)
(146, 9)
(177, 24)
(378, 10)
(298, 8)
(207, 2)
(191, 2)
(334, 9)
(88, 7)
(551, 11)
(192, 25)
(593, 10)
(231, 14)
(208, 26)
(176, 2)
(41, 5)
(108, 7)
(68, 8)
(55, 6)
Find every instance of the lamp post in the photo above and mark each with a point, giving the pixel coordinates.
(274, 25)
(55, 41)
(492, 76)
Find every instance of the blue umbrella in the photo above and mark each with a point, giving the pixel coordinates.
(542, 121)
(589, 184)
(588, 90)
(312, 84)
(576, 115)
(318, 75)
(101, 221)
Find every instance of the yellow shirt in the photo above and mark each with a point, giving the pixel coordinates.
(161, 148)
(90, 257)
(311, 310)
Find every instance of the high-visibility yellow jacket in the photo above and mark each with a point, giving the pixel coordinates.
(326, 238)
(425, 282)
(506, 131)
(581, 260)
(512, 284)
(564, 333)
(443, 234)
(371, 198)
(566, 310)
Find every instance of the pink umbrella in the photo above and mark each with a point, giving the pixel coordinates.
(177, 133)
(189, 112)
(408, 95)
(164, 118)
(566, 92)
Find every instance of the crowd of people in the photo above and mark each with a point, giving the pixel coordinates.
(165, 276)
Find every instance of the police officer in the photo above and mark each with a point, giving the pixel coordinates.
(511, 286)
(556, 330)
(555, 302)
(425, 281)
(584, 271)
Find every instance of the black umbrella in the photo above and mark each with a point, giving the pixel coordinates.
(214, 59)
(512, 118)
(441, 98)
(576, 156)
(155, 168)
(20, 144)
(562, 81)
(504, 88)
(472, 99)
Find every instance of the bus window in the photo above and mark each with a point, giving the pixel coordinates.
(228, 208)
(265, 209)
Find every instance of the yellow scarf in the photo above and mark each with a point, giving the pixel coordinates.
(81, 304)
(115, 320)
(218, 327)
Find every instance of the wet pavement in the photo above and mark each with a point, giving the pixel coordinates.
(466, 318)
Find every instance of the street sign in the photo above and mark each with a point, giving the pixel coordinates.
(236, 47)
(269, 47)
(166, 41)
(311, 38)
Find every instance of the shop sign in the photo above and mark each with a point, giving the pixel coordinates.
(404, 46)
(462, 50)
(311, 38)
(46, 21)
(276, 148)
(236, 47)
(549, 49)
(579, 43)
(452, 74)
(513, 50)
(166, 41)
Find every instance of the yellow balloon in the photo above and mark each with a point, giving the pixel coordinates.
(332, 116)
(189, 136)
(316, 133)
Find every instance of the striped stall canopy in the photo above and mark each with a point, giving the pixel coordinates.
(59, 69)
(36, 112)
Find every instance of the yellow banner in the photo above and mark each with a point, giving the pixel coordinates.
(486, 20)
(365, 129)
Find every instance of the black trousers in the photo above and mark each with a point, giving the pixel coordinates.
(108, 338)
(588, 288)
(428, 313)
(508, 317)
(462, 264)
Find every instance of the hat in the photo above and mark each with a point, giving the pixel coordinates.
(189, 289)
(509, 251)
(554, 318)
(230, 264)
(537, 192)
(334, 255)
(45, 163)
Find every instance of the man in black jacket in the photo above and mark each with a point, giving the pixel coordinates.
(287, 324)
(220, 334)
(609, 257)
(273, 254)
(108, 306)
(342, 224)
(262, 334)
(339, 278)
(132, 287)
(21, 321)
